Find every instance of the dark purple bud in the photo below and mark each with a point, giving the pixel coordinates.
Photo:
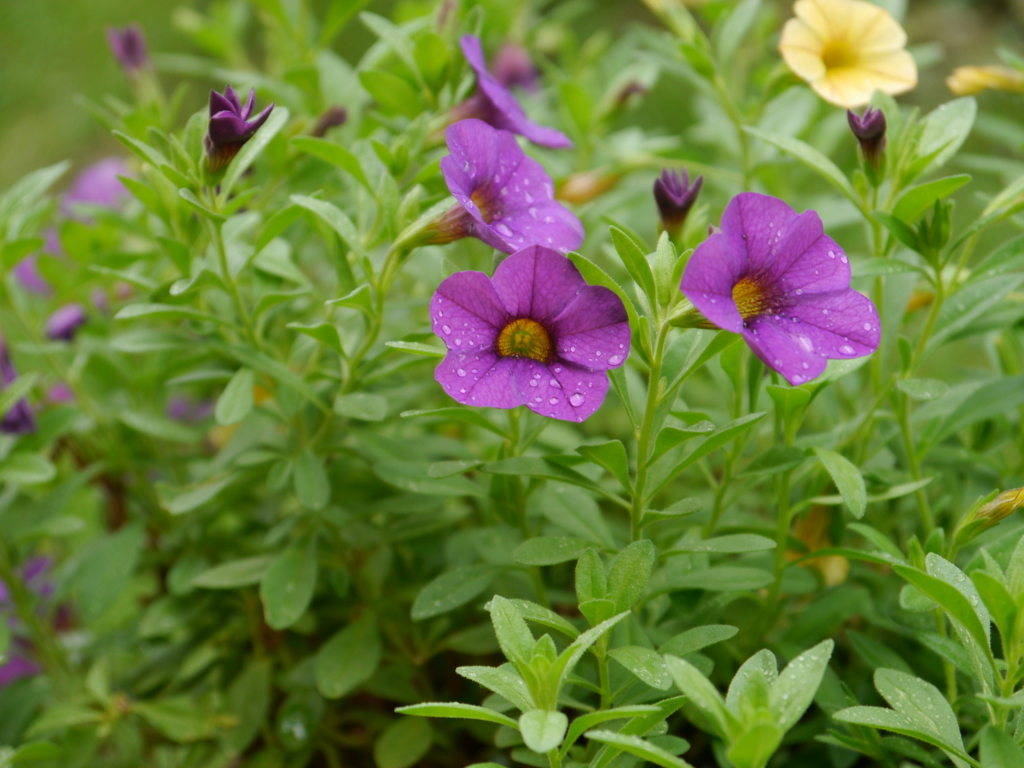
(65, 322)
(230, 126)
(333, 117)
(514, 68)
(129, 48)
(675, 196)
(869, 129)
(20, 419)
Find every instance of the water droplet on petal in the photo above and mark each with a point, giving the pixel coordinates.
(553, 401)
(846, 349)
(576, 400)
(447, 329)
(614, 359)
(533, 382)
(461, 371)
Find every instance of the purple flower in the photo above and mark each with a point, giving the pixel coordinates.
(60, 393)
(869, 130)
(27, 273)
(513, 67)
(535, 334)
(65, 322)
(505, 198)
(20, 419)
(187, 410)
(494, 103)
(19, 665)
(776, 278)
(675, 197)
(98, 184)
(129, 48)
(230, 126)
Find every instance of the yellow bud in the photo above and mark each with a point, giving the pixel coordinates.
(584, 186)
(1001, 507)
(966, 81)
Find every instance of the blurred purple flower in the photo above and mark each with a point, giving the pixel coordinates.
(65, 322)
(20, 419)
(535, 334)
(513, 67)
(185, 409)
(98, 184)
(35, 577)
(27, 273)
(675, 197)
(494, 103)
(60, 393)
(129, 48)
(505, 197)
(775, 278)
(230, 126)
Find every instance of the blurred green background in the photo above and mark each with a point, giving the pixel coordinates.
(52, 51)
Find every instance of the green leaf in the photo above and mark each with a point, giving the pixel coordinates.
(568, 658)
(723, 578)
(167, 312)
(997, 600)
(177, 718)
(672, 437)
(533, 466)
(716, 440)
(514, 636)
(944, 130)
(901, 231)
(999, 750)
(159, 427)
(923, 389)
(361, 405)
(922, 704)
(848, 480)
(287, 586)
(178, 501)
(812, 158)
(676, 511)
(693, 640)
(252, 148)
(324, 332)
(544, 616)
(589, 720)
(27, 469)
(732, 543)
(348, 659)
(504, 681)
(701, 693)
(403, 743)
(336, 219)
(634, 745)
(630, 572)
(451, 590)
(919, 199)
(236, 401)
(591, 579)
(335, 154)
(457, 413)
(736, 26)
(457, 710)
(883, 267)
(416, 348)
(234, 574)
(248, 700)
(793, 691)
(949, 573)
(611, 456)
(312, 485)
(392, 93)
(549, 550)
(635, 262)
(645, 664)
(543, 730)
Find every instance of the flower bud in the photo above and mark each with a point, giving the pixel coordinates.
(1001, 507)
(65, 322)
(584, 186)
(675, 197)
(230, 127)
(967, 81)
(129, 48)
(19, 419)
(332, 118)
(869, 130)
(514, 68)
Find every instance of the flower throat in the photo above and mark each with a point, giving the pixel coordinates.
(525, 338)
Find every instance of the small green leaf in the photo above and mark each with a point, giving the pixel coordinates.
(693, 640)
(348, 659)
(923, 389)
(919, 199)
(361, 405)
(549, 550)
(514, 636)
(457, 710)
(416, 348)
(234, 574)
(701, 693)
(848, 480)
(732, 543)
(310, 480)
(634, 745)
(793, 691)
(236, 401)
(252, 148)
(336, 219)
(543, 730)
(403, 743)
(630, 572)
(635, 262)
(645, 664)
(611, 456)
(999, 750)
(287, 587)
(335, 154)
(451, 590)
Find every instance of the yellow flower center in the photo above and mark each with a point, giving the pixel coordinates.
(750, 298)
(525, 338)
(838, 54)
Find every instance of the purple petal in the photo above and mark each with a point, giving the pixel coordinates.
(225, 128)
(798, 342)
(593, 330)
(98, 184)
(537, 283)
(809, 261)
(754, 224)
(15, 669)
(467, 313)
(27, 273)
(220, 103)
(508, 114)
(246, 110)
(560, 390)
(479, 378)
(712, 271)
(257, 122)
(232, 97)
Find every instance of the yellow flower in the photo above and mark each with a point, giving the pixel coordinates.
(846, 50)
(965, 81)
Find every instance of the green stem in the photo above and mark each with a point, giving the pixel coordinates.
(781, 541)
(231, 283)
(644, 440)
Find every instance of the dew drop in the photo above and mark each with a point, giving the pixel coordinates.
(844, 259)
(533, 382)
(503, 230)
(576, 400)
(554, 383)
(553, 401)
(461, 371)
(614, 359)
(447, 329)
(846, 349)
(458, 342)
(867, 326)
(831, 254)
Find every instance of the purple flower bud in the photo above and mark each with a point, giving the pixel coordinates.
(27, 273)
(332, 118)
(65, 322)
(129, 48)
(60, 393)
(97, 184)
(230, 126)
(20, 419)
(869, 130)
(513, 67)
(675, 197)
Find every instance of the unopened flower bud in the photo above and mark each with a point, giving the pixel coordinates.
(20, 419)
(65, 322)
(869, 130)
(230, 127)
(129, 48)
(332, 118)
(514, 68)
(584, 186)
(967, 81)
(1001, 507)
(675, 196)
